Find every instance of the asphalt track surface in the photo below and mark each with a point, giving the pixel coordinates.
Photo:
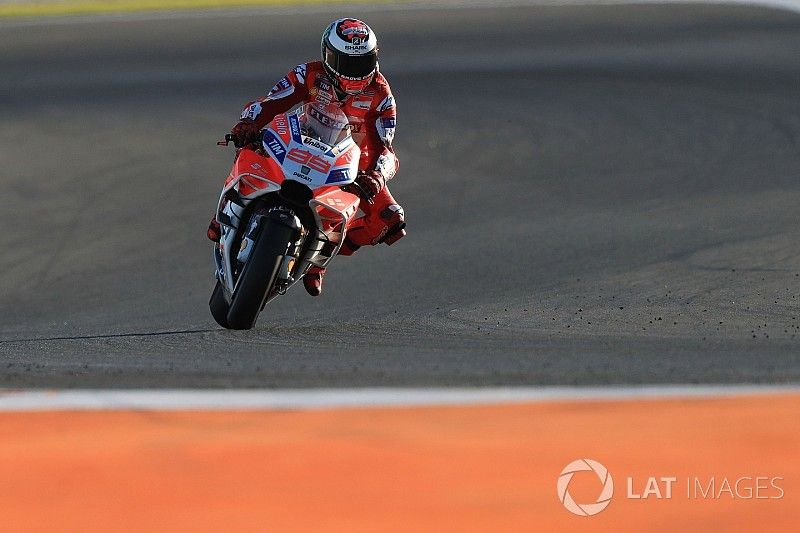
(594, 195)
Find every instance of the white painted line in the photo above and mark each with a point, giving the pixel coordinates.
(217, 13)
(203, 399)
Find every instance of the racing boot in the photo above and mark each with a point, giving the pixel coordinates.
(395, 221)
(387, 226)
(214, 232)
(312, 281)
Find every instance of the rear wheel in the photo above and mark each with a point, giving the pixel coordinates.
(258, 275)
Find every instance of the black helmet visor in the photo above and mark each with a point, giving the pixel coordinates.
(348, 66)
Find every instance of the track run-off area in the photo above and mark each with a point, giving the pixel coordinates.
(400, 459)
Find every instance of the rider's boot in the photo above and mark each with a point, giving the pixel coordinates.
(312, 281)
(395, 221)
(395, 234)
(387, 226)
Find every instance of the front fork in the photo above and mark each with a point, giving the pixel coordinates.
(226, 257)
(311, 248)
(285, 216)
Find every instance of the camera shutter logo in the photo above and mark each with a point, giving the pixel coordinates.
(585, 509)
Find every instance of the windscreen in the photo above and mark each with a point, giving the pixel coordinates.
(324, 123)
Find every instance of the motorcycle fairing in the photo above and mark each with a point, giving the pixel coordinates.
(333, 210)
(291, 155)
(255, 175)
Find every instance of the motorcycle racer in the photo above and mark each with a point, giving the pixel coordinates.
(348, 76)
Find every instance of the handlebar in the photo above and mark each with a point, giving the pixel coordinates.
(230, 138)
(227, 140)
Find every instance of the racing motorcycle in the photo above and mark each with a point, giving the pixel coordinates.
(284, 208)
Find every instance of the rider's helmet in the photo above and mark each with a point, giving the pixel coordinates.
(350, 54)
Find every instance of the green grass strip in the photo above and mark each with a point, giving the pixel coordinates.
(80, 7)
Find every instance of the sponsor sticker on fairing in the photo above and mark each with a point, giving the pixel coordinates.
(308, 141)
(274, 146)
(280, 124)
(338, 176)
(295, 127)
(326, 119)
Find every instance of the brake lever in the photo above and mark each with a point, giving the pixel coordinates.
(362, 193)
(228, 139)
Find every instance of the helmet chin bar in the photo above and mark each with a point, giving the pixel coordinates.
(347, 86)
(353, 87)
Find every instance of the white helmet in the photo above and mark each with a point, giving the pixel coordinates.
(350, 54)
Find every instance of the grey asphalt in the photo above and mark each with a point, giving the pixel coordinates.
(594, 195)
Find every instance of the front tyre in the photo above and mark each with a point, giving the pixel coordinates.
(259, 273)
(219, 306)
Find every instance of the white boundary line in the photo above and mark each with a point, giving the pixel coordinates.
(212, 13)
(296, 399)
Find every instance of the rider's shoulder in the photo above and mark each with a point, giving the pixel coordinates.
(381, 84)
(305, 70)
(314, 67)
(383, 100)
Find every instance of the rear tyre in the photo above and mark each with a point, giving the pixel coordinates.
(259, 273)
(219, 306)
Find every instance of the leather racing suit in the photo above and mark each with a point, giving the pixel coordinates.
(372, 116)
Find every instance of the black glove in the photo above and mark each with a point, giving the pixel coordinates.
(245, 132)
(372, 183)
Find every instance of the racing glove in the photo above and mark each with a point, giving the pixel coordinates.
(245, 132)
(371, 183)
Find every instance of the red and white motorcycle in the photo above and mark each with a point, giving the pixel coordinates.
(283, 210)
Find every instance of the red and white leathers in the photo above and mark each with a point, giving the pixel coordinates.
(372, 115)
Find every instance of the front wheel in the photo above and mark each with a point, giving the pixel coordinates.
(219, 306)
(259, 273)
